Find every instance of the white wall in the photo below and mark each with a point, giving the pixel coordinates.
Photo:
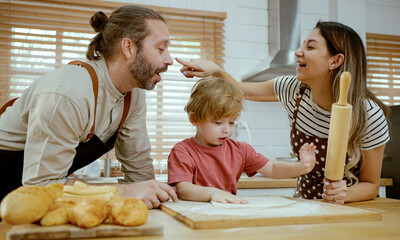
(246, 34)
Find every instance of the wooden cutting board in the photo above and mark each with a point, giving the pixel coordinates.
(34, 231)
(203, 215)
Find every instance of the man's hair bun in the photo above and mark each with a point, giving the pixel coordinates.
(98, 21)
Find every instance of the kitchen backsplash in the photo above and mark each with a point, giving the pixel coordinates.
(269, 128)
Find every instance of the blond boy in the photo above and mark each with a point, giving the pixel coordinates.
(207, 166)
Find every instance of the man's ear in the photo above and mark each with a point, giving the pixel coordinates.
(192, 119)
(336, 61)
(128, 48)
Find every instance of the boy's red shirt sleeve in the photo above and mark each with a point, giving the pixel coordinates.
(180, 165)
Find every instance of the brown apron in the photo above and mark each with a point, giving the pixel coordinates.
(309, 186)
(11, 162)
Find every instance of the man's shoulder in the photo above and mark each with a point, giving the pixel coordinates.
(67, 81)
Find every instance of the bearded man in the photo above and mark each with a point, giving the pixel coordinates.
(70, 117)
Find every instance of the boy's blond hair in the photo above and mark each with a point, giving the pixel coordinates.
(214, 98)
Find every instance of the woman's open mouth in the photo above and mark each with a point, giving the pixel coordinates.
(301, 64)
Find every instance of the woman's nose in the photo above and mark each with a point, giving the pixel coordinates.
(299, 52)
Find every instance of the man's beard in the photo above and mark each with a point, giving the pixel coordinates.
(143, 72)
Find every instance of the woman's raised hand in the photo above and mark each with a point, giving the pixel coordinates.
(200, 68)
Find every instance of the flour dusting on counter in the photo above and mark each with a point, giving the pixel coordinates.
(257, 206)
(256, 202)
(204, 215)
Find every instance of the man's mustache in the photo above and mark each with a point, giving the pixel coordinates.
(163, 69)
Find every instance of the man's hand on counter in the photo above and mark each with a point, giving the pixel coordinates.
(152, 192)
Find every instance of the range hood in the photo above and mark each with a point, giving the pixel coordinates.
(284, 31)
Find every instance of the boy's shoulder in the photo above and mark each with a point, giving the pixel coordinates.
(184, 144)
(239, 144)
(189, 144)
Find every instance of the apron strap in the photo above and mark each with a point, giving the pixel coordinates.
(9, 103)
(95, 82)
(127, 105)
(93, 76)
(298, 100)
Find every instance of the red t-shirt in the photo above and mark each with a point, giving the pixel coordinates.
(219, 167)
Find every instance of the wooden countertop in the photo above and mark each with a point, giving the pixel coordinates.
(387, 228)
(265, 182)
(257, 181)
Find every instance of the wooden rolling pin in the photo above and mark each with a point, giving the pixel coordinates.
(339, 132)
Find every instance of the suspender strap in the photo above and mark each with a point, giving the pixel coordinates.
(127, 105)
(9, 103)
(93, 76)
(95, 82)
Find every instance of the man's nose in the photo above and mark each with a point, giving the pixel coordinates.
(167, 59)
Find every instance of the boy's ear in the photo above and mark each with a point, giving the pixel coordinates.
(192, 119)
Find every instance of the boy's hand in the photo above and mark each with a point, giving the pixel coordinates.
(221, 196)
(307, 157)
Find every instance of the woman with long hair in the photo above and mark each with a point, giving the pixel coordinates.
(330, 49)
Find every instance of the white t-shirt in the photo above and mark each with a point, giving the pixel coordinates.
(314, 121)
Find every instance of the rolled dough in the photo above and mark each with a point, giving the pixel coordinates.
(256, 202)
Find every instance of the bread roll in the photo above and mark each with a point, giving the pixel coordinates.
(88, 213)
(128, 211)
(58, 214)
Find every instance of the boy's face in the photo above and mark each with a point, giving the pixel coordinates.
(212, 133)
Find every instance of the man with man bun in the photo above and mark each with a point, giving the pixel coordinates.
(70, 117)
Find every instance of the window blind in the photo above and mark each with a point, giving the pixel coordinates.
(38, 36)
(383, 57)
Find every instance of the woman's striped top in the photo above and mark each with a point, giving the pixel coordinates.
(314, 121)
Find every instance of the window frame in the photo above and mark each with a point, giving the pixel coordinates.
(383, 59)
(203, 27)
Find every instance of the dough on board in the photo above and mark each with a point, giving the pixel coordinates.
(257, 202)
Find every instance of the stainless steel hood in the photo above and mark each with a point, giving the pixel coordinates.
(284, 28)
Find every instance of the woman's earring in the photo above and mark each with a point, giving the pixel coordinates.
(331, 72)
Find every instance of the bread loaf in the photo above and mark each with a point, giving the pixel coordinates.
(27, 204)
